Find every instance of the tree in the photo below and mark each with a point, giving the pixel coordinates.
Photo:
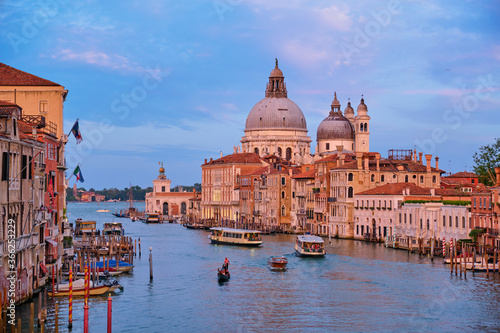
(486, 160)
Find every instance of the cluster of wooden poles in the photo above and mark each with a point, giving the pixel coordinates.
(458, 263)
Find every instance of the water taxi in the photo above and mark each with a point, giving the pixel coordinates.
(230, 236)
(152, 218)
(87, 228)
(308, 245)
(277, 263)
(113, 228)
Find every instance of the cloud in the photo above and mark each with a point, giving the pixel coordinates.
(335, 18)
(98, 58)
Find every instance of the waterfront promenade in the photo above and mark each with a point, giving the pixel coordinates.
(358, 286)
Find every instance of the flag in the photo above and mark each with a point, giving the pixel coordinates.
(76, 132)
(78, 174)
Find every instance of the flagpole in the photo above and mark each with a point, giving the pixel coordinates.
(71, 130)
(27, 164)
(73, 171)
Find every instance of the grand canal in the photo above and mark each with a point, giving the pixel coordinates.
(357, 287)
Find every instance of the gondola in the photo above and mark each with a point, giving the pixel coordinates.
(223, 277)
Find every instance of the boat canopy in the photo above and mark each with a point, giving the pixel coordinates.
(310, 239)
(235, 230)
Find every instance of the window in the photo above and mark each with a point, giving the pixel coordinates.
(421, 179)
(288, 154)
(279, 151)
(420, 221)
(456, 221)
(382, 178)
(428, 224)
(472, 181)
(283, 182)
(474, 202)
(373, 178)
(24, 167)
(256, 150)
(406, 179)
(350, 177)
(463, 222)
(444, 221)
(350, 192)
(44, 106)
(5, 166)
(283, 211)
(451, 225)
(327, 146)
(282, 194)
(163, 188)
(434, 179)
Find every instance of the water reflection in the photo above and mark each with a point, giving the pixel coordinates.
(357, 286)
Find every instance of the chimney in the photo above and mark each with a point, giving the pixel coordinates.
(437, 162)
(414, 155)
(221, 153)
(339, 150)
(433, 192)
(377, 156)
(359, 159)
(428, 158)
(290, 172)
(205, 161)
(420, 157)
(341, 159)
(211, 160)
(497, 171)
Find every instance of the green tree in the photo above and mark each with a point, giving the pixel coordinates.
(485, 161)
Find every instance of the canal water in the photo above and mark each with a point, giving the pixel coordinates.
(357, 286)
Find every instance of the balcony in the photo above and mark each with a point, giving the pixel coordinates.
(39, 121)
(256, 212)
(330, 199)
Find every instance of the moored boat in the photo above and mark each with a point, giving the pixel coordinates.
(103, 210)
(230, 236)
(310, 246)
(85, 228)
(110, 265)
(194, 226)
(277, 263)
(79, 289)
(113, 228)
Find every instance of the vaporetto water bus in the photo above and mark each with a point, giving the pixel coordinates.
(230, 236)
(308, 245)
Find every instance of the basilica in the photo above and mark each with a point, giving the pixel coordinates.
(277, 126)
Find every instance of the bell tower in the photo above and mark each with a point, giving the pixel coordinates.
(362, 128)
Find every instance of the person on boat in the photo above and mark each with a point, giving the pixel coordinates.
(226, 264)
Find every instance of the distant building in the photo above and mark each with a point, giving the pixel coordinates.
(465, 181)
(169, 204)
(87, 196)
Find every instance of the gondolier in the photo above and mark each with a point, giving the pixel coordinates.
(226, 263)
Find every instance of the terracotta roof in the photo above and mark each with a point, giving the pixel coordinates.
(415, 190)
(237, 158)
(307, 174)
(396, 189)
(266, 170)
(10, 76)
(462, 174)
(5, 103)
(334, 156)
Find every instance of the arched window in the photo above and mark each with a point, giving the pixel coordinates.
(456, 221)
(373, 178)
(350, 177)
(282, 194)
(283, 210)
(183, 208)
(256, 150)
(433, 179)
(382, 178)
(406, 179)
(288, 154)
(463, 222)
(350, 192)
(279, 151)
(366, 127)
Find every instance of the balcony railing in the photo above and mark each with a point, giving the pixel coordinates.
(39, 121)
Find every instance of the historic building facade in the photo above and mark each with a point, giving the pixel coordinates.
(169, 205)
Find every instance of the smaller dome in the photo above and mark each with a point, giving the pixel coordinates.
(276, 72)
(348, 109)
(335, 126)
(362, 106)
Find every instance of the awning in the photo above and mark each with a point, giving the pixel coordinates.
(51, 242)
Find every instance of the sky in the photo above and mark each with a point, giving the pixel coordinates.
(173, 81)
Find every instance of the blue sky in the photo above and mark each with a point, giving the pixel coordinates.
(174, 81)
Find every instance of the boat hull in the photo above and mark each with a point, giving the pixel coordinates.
(81, 292)
(278, 264)
(221, 242)
(222, 277)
